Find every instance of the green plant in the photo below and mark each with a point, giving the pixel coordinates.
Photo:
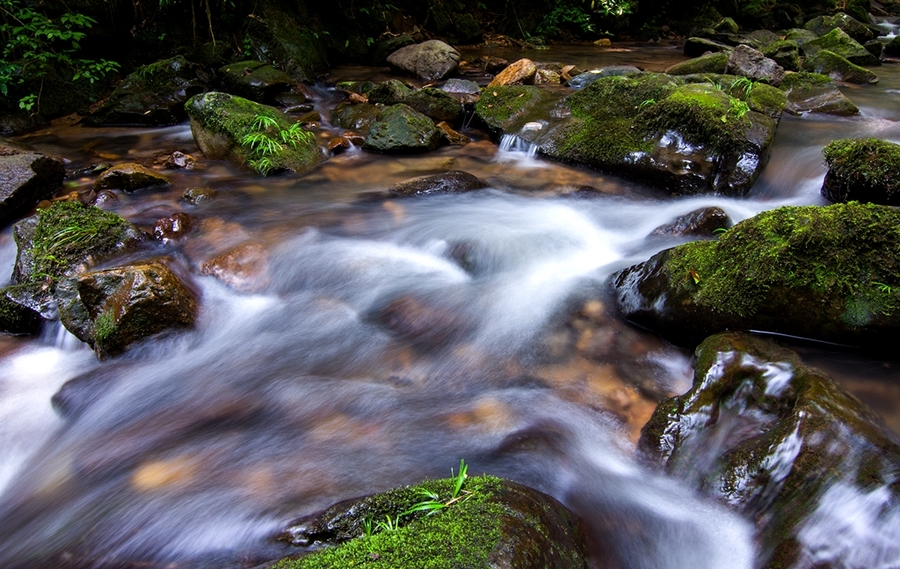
(434, 504)
(389, 524)
(739, 108)
(266, 141)
(743, 83)
(887, 289)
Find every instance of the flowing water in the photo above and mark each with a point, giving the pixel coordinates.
(292, 394)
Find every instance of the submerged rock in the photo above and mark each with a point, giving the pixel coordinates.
(862, 169)
(828, 273)
(815, 93)
(781, 444)
(453, 182)
(129, 177)
(432, 60)
(25, 179)
(399, 129)
(244, 268)
(497, 523)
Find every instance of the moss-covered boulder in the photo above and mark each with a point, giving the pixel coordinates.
(255, 80)
(781, 444)
(838, 68)
(837, 41)
(113, 308)
(748, 62)
(799, 35)
(683, 136)
(25, 179)
(821, 25)
(401, 129)
(709, 63)
(250, 134)
(436, 104)
(154, 95)
(829, 273)
(489, 523)
(355, 117)
(389, 92)
(785, 53)
(862, 169)
(815, 93)
(505, 109)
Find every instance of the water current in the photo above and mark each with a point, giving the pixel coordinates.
(291, 395)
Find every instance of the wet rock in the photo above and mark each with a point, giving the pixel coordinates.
(781, 444)
(815, 93)
(452, 182)
(389, 92)
(493, 64)
(154, 95)
(356, 117)
(255, 80)
(80, 392)
(91, 170)
(864, 170)
(700, 222)
(853, 28)
(436, 105)
(875, 47)
(461, 87)
(223, 125)
(838, 68)
(113, 308)
(173, 227)
(506, 109)
(784, 53)
(432, 60)
(751, 63)
(180, 161)
(25, 179)
(836, 41)
(892, 48)
(129, 177)
(422, 323)
(384, 47)
(521, 72)
(709, 63)
(400, 129)
(827, 273)
(15, 317)
(244, 268)
(451, 136)
(800, 35)
(695, 47)
(338, 144)
(582, 80)
(196, 196)
(103, 198)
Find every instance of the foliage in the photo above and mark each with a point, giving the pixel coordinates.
(35, 42)
(578, 16)
(266, 140)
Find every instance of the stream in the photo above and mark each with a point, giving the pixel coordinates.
(290, 395)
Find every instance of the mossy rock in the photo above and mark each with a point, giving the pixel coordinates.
(436, 105)
(709, 63)
(255, 80)
(838, 68)
(497, 523)
(401, 129)
(15, 317)
(837, 41)
(355, 117)
(828, 273)
(862, 169)
(800, 35)
(892, 48)
(774, 439)
(821, 25)
(815, 93)
(785, 53)
(389, 92)
(250, 134)
(505, 109)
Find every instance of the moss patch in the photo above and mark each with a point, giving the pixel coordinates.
(865, 168)
(501, 108)
(709, 63)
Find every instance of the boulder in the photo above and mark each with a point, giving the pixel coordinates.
(400, 129)
(785, 53)
(864, 170)
(384, 47)
(783, 445)
(173, 227)
(821, 25)
(814, 93)
(695, 47)
(432, 60)
(452, 182)
(892, 48)
(582, 80)
(25, 179)
(836, 41)
(355, 117)
(423, 322)
(129, 177)
(154, 95)
(838, 68)
(827, 273)
(390, 92)
(506, 109)
(111, 309)
(752, 64)
(250, 134)
(15, 317)
(497, 524)
(520, 72)
(244, 268)
(703, 222)
(709, 63)
(436, 105)
(255, 80)
(799, 35)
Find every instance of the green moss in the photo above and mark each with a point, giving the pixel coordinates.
(804, 80)
(865, 163)
(104, 327)
(837, 67)
(499, 108)
(709, 63)
(837, 41)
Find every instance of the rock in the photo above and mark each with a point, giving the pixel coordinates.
(709, 63)
(399, 129)
(726, 26)
(814, 93)
(422, 323)
(451, 136)
(799, 35)
(505, 109)
(838, 42)
(356, 117)
(384, 47)
(432, 60)
(892, 48)
(582, 80)
(113, 308)
(436, 105)
(250, 134)
(390, 92)
(827, 273)
(547, 77)
(80, 392)
(338, 144)
(17, 318)
(25, 179)
(173, 227)
(521, 72)
(779, 443)
(129, 177)
(752, 64)
(180, 161)
(864, 170)
(493, 64)
(695, 47)
(255, 80)
(154, 95)
(784, 53)
(701, 222)
(854, 28)
(758, 38)
(688, 138)
(500, 524)
(196, 196)
(838, 68)
(244, 268)
(461, 87)
(875, 47)
(452, 182)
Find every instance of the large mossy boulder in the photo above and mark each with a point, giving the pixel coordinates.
(402, 129)
(154, 95)
(862, 169)
(708, 63)
(255, 80)
(821, 25)
(815, 93)
(250, 134)
(506, 109)
(785, 53)
(683, 136)
(783, 445)
(828, 273)
(436, 104)
(838, 68)
(25, 179)
(432, 60)
(837, 41)
(490, 523)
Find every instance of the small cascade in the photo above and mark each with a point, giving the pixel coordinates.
(521, 147)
